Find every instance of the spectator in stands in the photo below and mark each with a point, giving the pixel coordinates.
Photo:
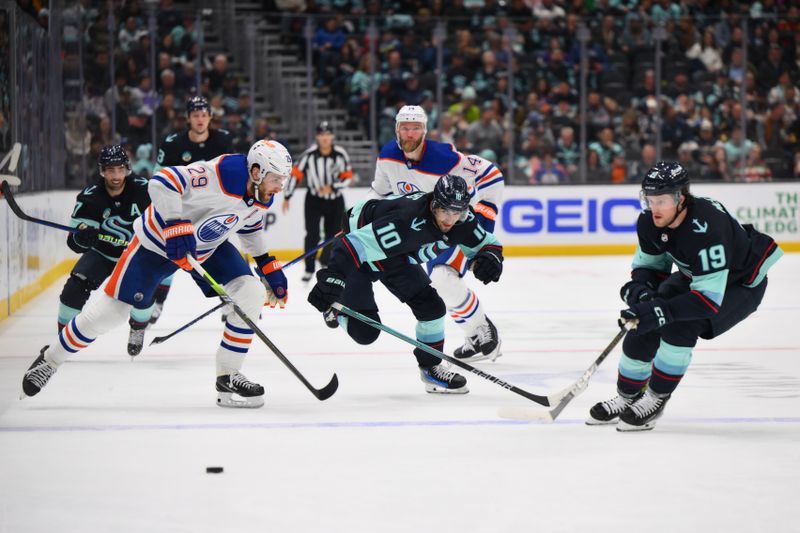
(770, 71)
(595, 173)
(410, 93)
(550, 171)
(607, 149)
(328, 40)
(755, 169)
(5, 134)
(706, 53)
(466, 107)
(567, 151)
(447, 129)
(778, 92)
(217, 74)
(638, 167)
(486, 133)
(687, 152)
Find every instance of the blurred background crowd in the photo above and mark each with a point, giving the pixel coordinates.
(524, 83)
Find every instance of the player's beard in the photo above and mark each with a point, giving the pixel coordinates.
(410, 145)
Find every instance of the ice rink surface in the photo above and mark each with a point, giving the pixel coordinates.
(118, 445)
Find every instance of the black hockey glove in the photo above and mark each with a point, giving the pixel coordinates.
(328, 290)
(635, 292)
(649, 315)
(488, 263)
(86, 236)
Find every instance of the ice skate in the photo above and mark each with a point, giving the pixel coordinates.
(235, 390)
(135, 341)
(607, 412)
(485, 344)
(307, 277)
(438, 379)
(642, 414)
(37, 375)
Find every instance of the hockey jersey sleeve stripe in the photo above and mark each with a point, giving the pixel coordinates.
(487, 177)
(245, 231)
(487, 184)
(346, 175)
(297, 173)
(351, 247)
(760, 271)
(712, 286)
(173, 179)
(658, 262)
(165, 182)
(178, 175)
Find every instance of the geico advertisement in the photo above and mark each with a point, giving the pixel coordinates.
(575, 215)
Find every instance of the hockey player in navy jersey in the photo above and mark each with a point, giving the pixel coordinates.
(110, 206)
(195, 210)
(387, 240)
(720, 280)
(411, 163)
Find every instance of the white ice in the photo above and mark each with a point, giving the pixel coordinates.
(118, 445)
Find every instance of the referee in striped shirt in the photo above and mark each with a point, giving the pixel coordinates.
(326, 169)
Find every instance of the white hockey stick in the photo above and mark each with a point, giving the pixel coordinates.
(11, 158)
(569, 393)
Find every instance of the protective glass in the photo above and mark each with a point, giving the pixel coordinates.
(451, 216)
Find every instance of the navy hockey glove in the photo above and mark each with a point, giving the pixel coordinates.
(635, 292)
(86, 236)
(649, 316)
(180, 242)
(488, 263)
(328, 290)
(273, 278)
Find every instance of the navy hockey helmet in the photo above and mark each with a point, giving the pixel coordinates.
(197, 103)
(113, 156)
(451, 194)
(665, 177)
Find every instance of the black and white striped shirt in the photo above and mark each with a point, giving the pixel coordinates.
(319, 171)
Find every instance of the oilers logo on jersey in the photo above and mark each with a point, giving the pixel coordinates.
(215, 227)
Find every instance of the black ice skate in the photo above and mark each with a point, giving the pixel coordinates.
(642, 414)
(608, 412)
(438, 379)
(235, 390)
(37, 375)
(485, 344)
(307, 277)
(135, 341)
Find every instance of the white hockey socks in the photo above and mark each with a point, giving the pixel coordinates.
(249, 294)
(462, 303)
(99, 316)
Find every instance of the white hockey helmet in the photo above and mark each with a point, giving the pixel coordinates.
(270, 156)
(410, 113)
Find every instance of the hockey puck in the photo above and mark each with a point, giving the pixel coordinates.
(214, 470)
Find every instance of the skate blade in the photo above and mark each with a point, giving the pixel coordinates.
(435, 389)
(594, 422)
(624, 427)
(229, 399)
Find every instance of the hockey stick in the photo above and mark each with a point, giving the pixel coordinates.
(547, 401)
(12, 203)
(568, 394)
(321, 394)
(159, 340)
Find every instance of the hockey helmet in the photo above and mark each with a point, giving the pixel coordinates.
(270, 156)
(113, 156)
(665, 177)
(197, 103)
(451, 194)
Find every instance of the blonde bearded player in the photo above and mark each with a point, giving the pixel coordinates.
(412, 163)
(195, 210)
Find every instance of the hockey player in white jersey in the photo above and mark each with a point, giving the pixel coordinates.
(412, 163)
(195, 210)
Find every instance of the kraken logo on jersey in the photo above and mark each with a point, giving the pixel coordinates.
(215, 227)
(117, 227)
(404, 187)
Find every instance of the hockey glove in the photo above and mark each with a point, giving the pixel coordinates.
(648, 315)
(488, 263)
(328, 290)
(635, 292)
(273, 278)
(180, 242)
(86, 236)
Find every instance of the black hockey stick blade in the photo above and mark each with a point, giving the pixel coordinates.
(159, 340)
(17, 210)
(563, 398)
(541, 400)
(321, 394)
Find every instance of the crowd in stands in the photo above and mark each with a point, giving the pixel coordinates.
(533, 45)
